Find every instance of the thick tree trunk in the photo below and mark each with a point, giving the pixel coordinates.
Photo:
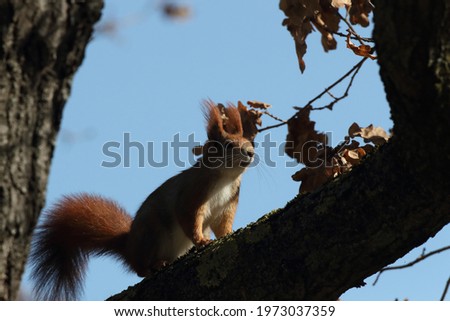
(43, 44)
(326, 242)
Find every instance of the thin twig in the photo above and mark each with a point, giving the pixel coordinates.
(350, 27)
(336, 99)
(271, 127)
(274, 117)
(355, 36)
(353, 70)
(343, 35)
(447, 285)
(419, 259)
(331, 95)
(348, 73)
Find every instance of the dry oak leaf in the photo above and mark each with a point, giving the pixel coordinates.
(258, 104)
(250, 118)
(361, 50)
(303, 142)
(302, 15)
(376, 135)
(368, 148)
(354, 156)
(359, 12)
(327, 22)
(313, 177)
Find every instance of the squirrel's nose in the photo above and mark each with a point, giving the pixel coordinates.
(250, 153)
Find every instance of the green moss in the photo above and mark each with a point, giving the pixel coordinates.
(295, 199)
(266, 216)
(258, 233)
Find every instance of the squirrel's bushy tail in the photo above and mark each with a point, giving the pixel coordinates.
(77, 226)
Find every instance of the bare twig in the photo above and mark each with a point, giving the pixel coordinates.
(348, 73)
(358, 37)
(447, 285)
(275, 117)
(351, 29)
(282, 122)
(419, 259)
(353, 71)
(355, 36)
(331, 95)
(336, 99)
(272, 126)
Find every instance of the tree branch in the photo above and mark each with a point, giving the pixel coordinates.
(444, 293)
(404, 266)
(265, 112)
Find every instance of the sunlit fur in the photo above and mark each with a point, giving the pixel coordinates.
(71, 230)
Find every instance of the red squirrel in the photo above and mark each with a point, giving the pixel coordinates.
(176, 216)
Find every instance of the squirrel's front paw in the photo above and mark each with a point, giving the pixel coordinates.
(202, 242)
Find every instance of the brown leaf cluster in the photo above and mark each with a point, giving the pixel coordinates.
(370, 134)
(303, 142)
(313, 177)
(304, 15)
(359, 12)
(322, 163)
(250, 118)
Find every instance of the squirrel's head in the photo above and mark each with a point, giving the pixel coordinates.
(228, 144)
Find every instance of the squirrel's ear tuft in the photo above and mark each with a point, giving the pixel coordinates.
(214, 121)
(233, 123)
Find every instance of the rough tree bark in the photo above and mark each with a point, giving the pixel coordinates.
(42, 45)
(326, 242)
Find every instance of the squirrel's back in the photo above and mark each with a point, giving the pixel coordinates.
(76, 226)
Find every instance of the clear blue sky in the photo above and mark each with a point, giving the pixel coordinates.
(148, 80)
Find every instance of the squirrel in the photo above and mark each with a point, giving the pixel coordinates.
(179, 214)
